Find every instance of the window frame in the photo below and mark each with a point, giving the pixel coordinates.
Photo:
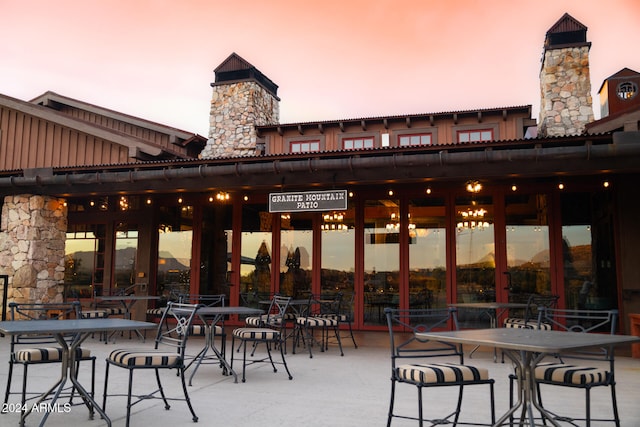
(374, 137)
(300, 143)
(492, 127)
(289, 141)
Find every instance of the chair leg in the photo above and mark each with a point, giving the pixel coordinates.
(614, 403)
(130, 389)
(458, 406)
(194, 417)
(588, 406)
(391, 402)
(161, 390)
(8, 389)
(336, 330)
(420, 414)
(104, 392)
(493, 403)
(284, 362)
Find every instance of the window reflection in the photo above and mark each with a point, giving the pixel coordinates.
(475, 252)
(338, 253)
(296, 254)
(256, 255)
(175, 236)
(381, 258)
(528, 258)
(427, 253)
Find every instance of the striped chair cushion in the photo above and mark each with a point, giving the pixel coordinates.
(561, 373)
(115, 311)
(341, 317)
(440, 373)
(201, 330)
(47, 354)
(264, 334)
(260, 321)
(156, 311)
(144, 358)
(316, 322)
(516, 322)
(94, 314)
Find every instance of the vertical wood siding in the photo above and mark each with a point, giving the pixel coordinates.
(158, 138)
(31, 142)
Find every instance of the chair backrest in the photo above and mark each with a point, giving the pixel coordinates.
(41, 311)
(277, 309)
(174, 326)
(205, 300)
(404, 323)
(535, 302)
(327, 304)
(587, 321)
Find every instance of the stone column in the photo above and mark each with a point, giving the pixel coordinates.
(32, 240)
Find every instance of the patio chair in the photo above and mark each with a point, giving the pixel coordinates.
(322, 314)
(32, 350)
(168, 353)
(345, 315)
(529, 319)
(268, 329)
(424, 364)
(584, 369)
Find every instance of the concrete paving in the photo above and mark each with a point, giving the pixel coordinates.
(327, 390)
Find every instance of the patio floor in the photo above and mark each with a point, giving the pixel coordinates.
(327, 390)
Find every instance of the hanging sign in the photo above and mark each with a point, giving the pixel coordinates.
(308, 201)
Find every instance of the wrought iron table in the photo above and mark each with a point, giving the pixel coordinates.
(526, 348)
(211, 316)
(492, 309)
(79, 329)
(128, 301)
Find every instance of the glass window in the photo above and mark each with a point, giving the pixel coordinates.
(296, 250)
(427, 253)
(216, 249)
(338, 253)
(125, 256)
(479, 135)
(411, 140)
(528, 257)
(255, 255)
(588, 251)
(357, 143)
(84, 259)
(381, 259)
(475, 256)
(305, 146)
(175, 236)
(627, 90)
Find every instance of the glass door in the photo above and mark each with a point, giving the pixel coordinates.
(527, 237)
(296, 254)
(475, 257)
(427, 253)
(381, 258)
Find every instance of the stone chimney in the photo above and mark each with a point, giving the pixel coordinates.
(565, 83)
(242, 99)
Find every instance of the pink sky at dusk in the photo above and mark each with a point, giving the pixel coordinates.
(154, 59)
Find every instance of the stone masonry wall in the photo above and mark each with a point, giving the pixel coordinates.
(32, 239)
(565, 85)
(236, 109)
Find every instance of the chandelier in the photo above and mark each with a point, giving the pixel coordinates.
(333, 221)
(393, 226)
(472, 219)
